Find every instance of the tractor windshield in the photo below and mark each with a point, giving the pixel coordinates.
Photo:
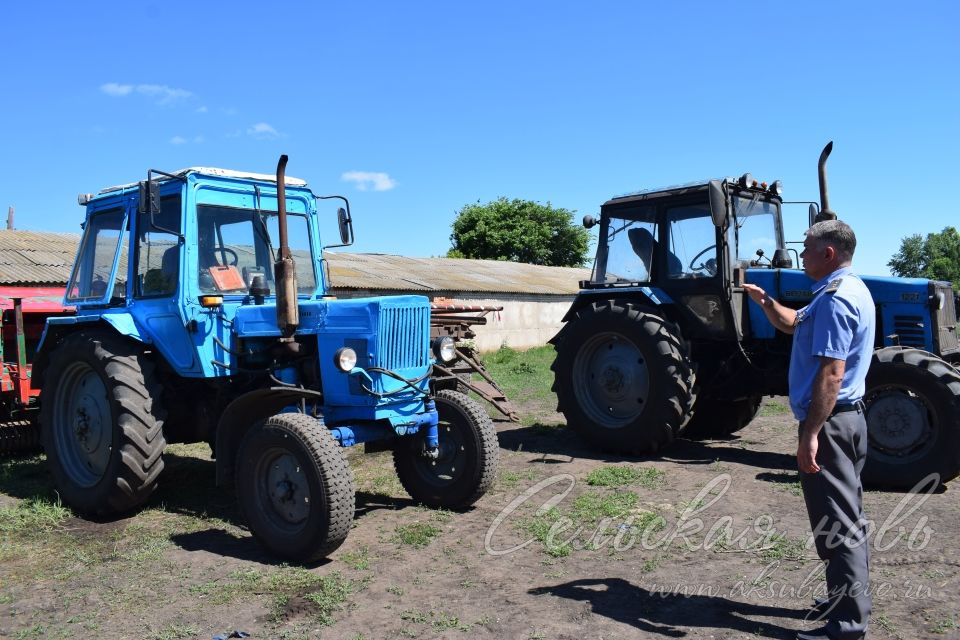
(628, 253)
(755, 228)
(236, 245)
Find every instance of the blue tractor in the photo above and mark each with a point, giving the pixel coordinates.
(662, 340)
(203, 316)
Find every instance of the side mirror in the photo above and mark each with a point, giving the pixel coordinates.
(149, 198)
(718, 202)
(812, 214)
(346, 226)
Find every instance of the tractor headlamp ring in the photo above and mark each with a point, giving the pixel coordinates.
(445, 349)
(345, 359)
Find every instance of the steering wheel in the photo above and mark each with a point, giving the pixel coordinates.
(702, 266)
(233, 257)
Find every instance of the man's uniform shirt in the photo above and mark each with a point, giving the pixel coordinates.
(838, 323)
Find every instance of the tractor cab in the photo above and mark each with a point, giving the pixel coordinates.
(689, 246)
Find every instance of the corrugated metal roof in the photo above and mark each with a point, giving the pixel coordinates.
(400, 273)
(35, 257)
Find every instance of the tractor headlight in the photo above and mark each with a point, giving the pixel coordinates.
(445, 349)
(777, 188)
(345, 359)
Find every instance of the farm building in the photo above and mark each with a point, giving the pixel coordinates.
(534, 298)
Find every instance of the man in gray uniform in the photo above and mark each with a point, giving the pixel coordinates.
(832, 346)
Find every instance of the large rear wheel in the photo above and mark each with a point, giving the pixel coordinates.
(295, 487)
(913, 418)
(102, 423)
(623, 378)
(466, 464)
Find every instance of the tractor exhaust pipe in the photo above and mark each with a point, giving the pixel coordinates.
(825, 212)
(284, 269)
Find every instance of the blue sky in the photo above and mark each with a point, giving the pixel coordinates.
(414, 109)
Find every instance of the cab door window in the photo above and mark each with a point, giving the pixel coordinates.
(158, 250)
(692, 246)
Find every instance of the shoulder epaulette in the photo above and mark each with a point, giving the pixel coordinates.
(833, 286)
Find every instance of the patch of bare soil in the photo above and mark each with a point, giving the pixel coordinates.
(708, 540)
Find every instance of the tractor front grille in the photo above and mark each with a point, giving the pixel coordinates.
(404, 337)
(945, 319)
(910, 330)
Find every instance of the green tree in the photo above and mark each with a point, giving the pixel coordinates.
(519, 231)
(936, 257)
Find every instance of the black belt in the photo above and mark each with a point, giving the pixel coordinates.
(853, 406)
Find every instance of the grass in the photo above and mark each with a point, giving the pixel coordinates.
(526, 379)
(175, 632)
(618, 476)
(33, 517)
(773, 408)
(359, 559)
(783, 548)
(325, 592)
(595, 518)
(509, 479)
(593, 505)
(416, 534)
(944, 625)
(439, 620)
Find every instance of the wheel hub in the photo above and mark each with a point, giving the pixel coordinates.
(616, 380)
(612, 380)
(898, 423)
(87, 425)
(83, 425)
(287, 489)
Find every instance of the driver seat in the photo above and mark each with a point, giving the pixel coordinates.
(648, 249)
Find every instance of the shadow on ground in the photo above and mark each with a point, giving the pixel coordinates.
(563, 442)
(659, 612)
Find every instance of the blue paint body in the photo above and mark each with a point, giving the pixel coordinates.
(205, 344)
(903, 305)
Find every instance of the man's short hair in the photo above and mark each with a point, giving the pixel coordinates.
(835, 233)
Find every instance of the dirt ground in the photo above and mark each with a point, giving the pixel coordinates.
(707, 541)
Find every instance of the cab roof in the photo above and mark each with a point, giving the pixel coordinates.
(213, 171)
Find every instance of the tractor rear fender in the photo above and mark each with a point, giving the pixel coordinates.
(246, 411)
(649, 296)
(59, 327)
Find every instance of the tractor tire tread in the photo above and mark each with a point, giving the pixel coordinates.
(131, 390)
(669, 346)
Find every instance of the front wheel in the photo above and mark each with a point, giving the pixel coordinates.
(466, 465)
(294, 486)
(913, 418)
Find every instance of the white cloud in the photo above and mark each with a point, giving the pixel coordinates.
(365, 180)
(161, 92)
(114, 89)
(182, 140)
(263, 131)
(202, 109)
